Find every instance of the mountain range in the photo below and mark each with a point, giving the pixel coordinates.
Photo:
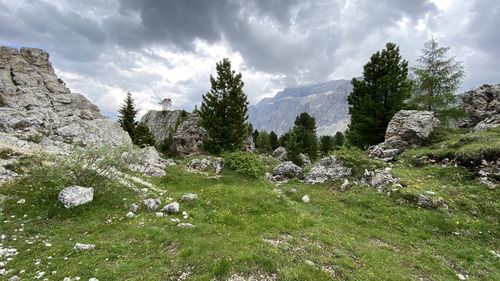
(326, 102)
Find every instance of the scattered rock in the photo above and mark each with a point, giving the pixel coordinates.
(381, 180)
(185, 215)
(152, 204)
(305, 159)
(280, 153)
(172, 208)
(76, 195)
(148, 161)
(429, 202)
(14, 278)
(93, 279)
(130, 215)
(285, 171)
(84, 247)
(159, 214)
(305, 198)
(482, 106)
(185, 225)
(22, 201)
(328, 168)
(189, 197)
(205, 165)
(134, 207)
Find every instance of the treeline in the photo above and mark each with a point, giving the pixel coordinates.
(384, 90)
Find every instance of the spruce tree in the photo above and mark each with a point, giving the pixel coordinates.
(437, 79)
(263, 143)
(293, 149)
(338, 139)
(325, 144)
(273, 138)
(375, 99)
(126, 116)
(255, 135)
(223, 111)
(142, 136)
(305, 131)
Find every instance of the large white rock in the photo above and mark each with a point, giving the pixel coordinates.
(76, 195)
(482, 106)
(410, 128)
(328, 168)
(285, 171)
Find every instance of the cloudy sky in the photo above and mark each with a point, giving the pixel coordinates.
(156, 49)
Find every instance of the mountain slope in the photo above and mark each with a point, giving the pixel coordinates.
(326, 102)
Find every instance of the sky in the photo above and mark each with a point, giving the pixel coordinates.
(157, 49)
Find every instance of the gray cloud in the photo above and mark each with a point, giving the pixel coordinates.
(105, 47)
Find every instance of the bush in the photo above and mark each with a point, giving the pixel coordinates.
(244, 163)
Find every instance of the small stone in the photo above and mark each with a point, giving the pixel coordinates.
(189, 197)
(461, 276)
(185, 225)
(309, 262)
(67, 279)
(175, 220)
(134, 208)
(2, 271)
(14, 278)
(93, 279)
(431, 192)
(159, 214)
(152, 204)
(22, 201)
(130, 215)
(172, 208)
(84, 247)
(48, 245)
(305, 199)
(2, 265)
(185, 215)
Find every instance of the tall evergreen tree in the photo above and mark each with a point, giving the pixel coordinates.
(325, 144)
(305, 131)
(223, 111)
(375, 99)
(438, 78)
(263, 143)
(127, 114)
(273, 138)
(338, 139)
(255, 135)
(142, 136)
(293, 149)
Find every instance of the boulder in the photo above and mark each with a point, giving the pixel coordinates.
(285, 171)
(327, 169)
(305, 159)
(210, 164)
(188, 139)
(280, 153)
(148, 161)
(381, 179)
(306, 199)
(160, 123)
(248, 144)
(189, 197)
(151, 204)
(172, 208)
(84, 247)
(76, 195)
(482, 106)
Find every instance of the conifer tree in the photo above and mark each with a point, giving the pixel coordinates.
(263, 143)
(325, 144)
(142, 136)
(126, 116)
(438, 78)
(305, 131)
(375, 99)
(338, 139)
(273, 138)
(223, 111)
(255, 135)
(293, 149)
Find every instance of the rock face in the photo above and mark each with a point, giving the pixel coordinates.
(482, 106)
(188, 139)
(76, 195)
(37, 107)
(326, 102)
(408, 128)
(328, 168)
(285, 171)
(160, 123)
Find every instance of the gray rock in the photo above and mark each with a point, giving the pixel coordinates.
(409, 128)
(160, 123)
(84, 247)
(381, 180)
(206, 165)
(130, 215)
(152, 204)
(134, 207)
(482, 106)
(76, 195)
(147, 161)
(327, 169)
(305, 159)
(188, 139)
(248, 144)
(306, 198)
(189, 197)
(14, 278)
(429, 202)
(185, 225)
(172, 208)
(280, 153)
(159, 214)
(285, 171)
(93, 279)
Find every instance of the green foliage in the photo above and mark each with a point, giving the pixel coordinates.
(223, 111)
(305, 131)
(126, 116)
(273, 138)
(244, 163)
(375, 99)
(338, 139)
(263, 142)
(357, 160)
(293, 148)
(255, 135)
(142, 136)
(437, 79)
(326, 143)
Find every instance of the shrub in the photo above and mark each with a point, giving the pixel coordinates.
(244, 163)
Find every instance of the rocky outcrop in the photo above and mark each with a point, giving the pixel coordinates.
(381, 179)
(160, 123)
(328, 169)
(285, 171)
(147, 161)
(482, 106)
(188, 139)
(280, 153)
(206, 165)
(248, 144)
(37, 107)
(408, 128)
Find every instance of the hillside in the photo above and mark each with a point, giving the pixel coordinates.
(326, 102)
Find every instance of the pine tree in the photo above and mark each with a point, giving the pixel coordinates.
(126, 116)
(325, 144)
(142, 136)
(375, 99)
(263, 143)
(273, 138)
(338, 139)
(305, 131)
(223, 111)
(438, 78)
(293, 149)
(255, 135)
